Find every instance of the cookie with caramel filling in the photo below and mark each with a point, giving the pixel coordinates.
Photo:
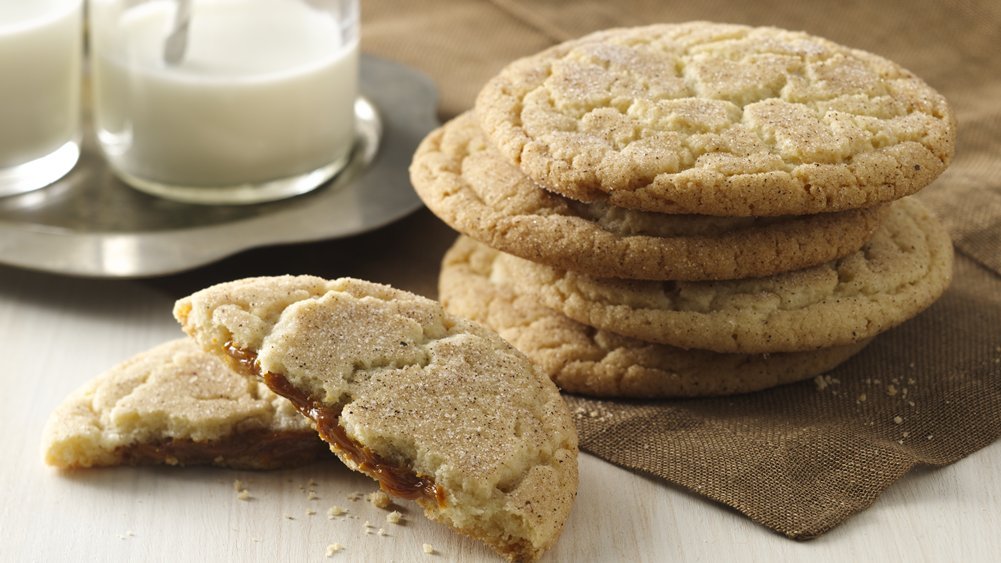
(436, 408)
(177, 405)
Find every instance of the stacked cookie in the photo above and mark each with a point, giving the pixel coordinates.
(693, 209)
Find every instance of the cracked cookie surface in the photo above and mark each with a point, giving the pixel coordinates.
(718, 119)
(176, 404)
(905, 267)
(467, 184)
(419, 394)
(599, 363)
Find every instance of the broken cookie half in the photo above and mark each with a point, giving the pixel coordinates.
(177, 405)
(437, 409)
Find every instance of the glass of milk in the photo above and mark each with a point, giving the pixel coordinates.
(41, 42)
(259, 107)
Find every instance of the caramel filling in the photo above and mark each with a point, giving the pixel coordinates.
(256, 449)
(396, 480)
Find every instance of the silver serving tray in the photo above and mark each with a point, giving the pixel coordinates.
(91, 224)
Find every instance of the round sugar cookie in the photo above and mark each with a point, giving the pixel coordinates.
(599, 363)
(905, 267)
(469, 186)
(718, 119)
(436, 408)
(177, 405)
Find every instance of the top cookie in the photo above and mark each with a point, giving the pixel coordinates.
(718, 120)
(436, 408)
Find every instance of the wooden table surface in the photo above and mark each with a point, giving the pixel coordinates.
(58, 332)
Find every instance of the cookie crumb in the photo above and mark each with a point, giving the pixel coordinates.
(930, 436)
(354, 496)
(394, 517)
(334, 548)
(824, 381)
(599, 413)
(898, 420)
(379, 499)
(906, 434)
(891, 390)
(382, 532)
(310, 512)
(241, 490)
(336, 511)
(861, 398)
(429, 549)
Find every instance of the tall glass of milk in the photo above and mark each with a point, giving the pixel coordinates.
(41, 42)
(260, 105)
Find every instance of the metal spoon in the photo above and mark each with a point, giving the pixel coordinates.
(177, 42)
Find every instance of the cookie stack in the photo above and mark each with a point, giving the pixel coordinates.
(692, 209)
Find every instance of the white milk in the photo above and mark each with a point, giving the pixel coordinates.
(40, 46)
(265, 91)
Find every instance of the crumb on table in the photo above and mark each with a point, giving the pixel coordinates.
(379, 499)
(336, 511)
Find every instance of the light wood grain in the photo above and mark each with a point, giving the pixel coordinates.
(57, 333)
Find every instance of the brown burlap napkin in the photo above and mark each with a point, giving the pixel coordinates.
(802, 458)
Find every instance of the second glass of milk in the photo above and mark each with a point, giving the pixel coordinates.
(259, 106)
